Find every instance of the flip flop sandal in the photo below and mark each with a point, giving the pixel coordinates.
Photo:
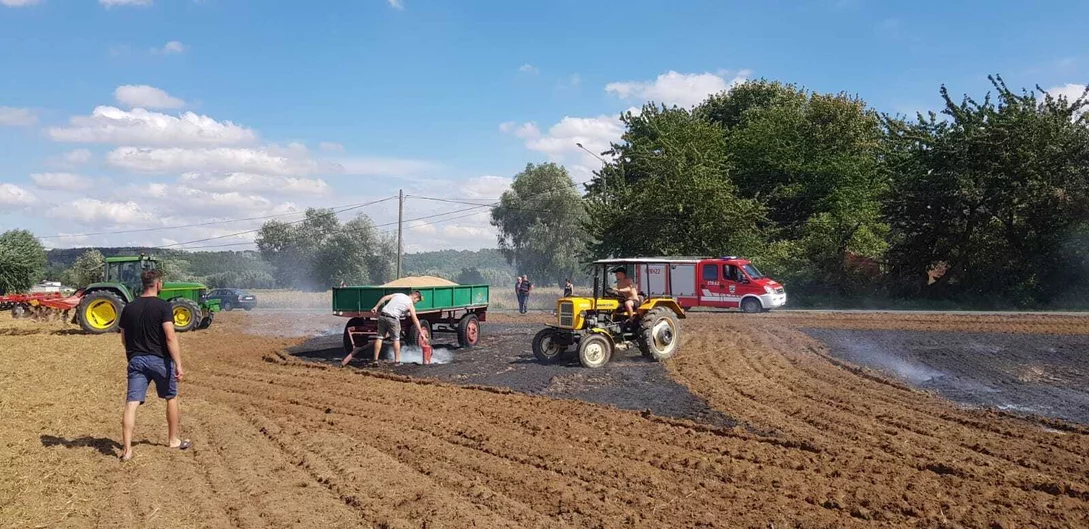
(185, 444)
(124, 459)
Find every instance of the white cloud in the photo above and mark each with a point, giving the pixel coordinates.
(265, 160)
(19, 3)
(488, 186)
(17, 117)
(115, 3)
(250, 182)
(144, 96)
(329, 146)
(14, 197)
(62, 181)
(142, 127)
(1070, 91)
(102, 213)
(529, 68)
(596, 134)
(171, 47)
(188, 202)
(397, 4)
(507, 126)
(71, 159)
(672, 88)
(378, 166)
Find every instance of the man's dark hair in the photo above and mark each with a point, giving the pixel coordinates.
(417, 294)
(620, 269)
(149, 277)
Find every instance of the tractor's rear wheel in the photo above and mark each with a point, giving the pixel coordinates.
(100, 312)
(468, 331)
(659, 334)
(595, 351)
(186, 314)
(548, 345)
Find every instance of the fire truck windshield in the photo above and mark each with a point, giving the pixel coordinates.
(753, 272)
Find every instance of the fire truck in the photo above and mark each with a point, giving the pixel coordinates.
(721, 282)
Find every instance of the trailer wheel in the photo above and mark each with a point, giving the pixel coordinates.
(348, 348)
(100, 312)
(548, 346)
(469, 330)
(751, 305)
(412, 336)
(659, 334)
(595, 351)
(186, 314)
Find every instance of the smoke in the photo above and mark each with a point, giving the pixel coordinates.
(412, 354)
(866, 352)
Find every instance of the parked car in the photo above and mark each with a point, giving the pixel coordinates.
(233, 298)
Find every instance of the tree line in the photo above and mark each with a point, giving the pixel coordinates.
(984, 203)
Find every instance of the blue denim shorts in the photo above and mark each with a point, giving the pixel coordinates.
(143, 370)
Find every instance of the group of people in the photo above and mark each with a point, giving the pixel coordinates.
(523, 286)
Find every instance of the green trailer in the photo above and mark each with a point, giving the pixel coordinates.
(444, 309)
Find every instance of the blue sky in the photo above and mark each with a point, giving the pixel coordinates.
(128, 114)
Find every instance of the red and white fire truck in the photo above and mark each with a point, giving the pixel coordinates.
(722, 282)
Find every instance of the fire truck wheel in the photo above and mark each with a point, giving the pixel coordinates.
(548, 346)
(751, 305)
(659, 334)
(595, 351)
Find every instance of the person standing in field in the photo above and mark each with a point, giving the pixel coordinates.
(389, 323)
(147, 333)
(518, 292)
(524, 288)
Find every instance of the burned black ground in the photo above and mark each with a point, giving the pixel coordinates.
(504, 359)
(1046, 375)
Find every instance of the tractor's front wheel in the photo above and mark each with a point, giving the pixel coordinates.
(595, 351)
(186, 314)
(100, 312)
(548, 345)
(659, 334)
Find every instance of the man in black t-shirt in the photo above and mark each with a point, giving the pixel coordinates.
(147, 332)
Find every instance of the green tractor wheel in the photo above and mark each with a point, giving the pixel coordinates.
(187, 314)
(100, 312)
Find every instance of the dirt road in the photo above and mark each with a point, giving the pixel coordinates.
(280, 442)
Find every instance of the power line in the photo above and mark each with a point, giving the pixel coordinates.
(357, 206)
(197, 224)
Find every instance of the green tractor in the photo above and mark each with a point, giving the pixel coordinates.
(100, 307)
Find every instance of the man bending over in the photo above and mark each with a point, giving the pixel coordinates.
(389, 323)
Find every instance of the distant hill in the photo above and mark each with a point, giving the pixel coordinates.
(217, 268)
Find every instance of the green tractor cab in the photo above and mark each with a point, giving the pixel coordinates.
(100, 307)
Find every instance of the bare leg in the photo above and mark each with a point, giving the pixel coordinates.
(397, 351)
(128, 426)
(173, 416)
(377, 348)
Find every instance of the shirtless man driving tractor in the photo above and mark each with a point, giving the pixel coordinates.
(626, 289)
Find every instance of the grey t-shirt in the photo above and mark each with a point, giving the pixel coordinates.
(398, 306)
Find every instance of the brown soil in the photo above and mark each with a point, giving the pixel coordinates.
(279, 442)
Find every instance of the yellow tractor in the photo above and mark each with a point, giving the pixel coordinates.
(600, 326)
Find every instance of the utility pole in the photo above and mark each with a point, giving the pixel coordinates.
(604, 183)
(400, 226)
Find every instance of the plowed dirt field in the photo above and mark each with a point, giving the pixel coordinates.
(284, 442)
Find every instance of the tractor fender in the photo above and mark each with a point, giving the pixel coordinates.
(670, 304)
(121, 290)
(605, 333)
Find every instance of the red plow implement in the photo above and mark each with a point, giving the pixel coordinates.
(40, 306)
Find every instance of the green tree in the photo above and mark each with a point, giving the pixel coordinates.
(319, 252)
(814, 160)
(87, 269)
(540, 220)
(470, 276)
(22, 260)
(996, 196)
(670, 192)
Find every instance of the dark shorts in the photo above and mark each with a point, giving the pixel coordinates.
(389, 326)
(143, 370)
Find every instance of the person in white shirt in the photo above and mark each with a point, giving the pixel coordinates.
(389, 322)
